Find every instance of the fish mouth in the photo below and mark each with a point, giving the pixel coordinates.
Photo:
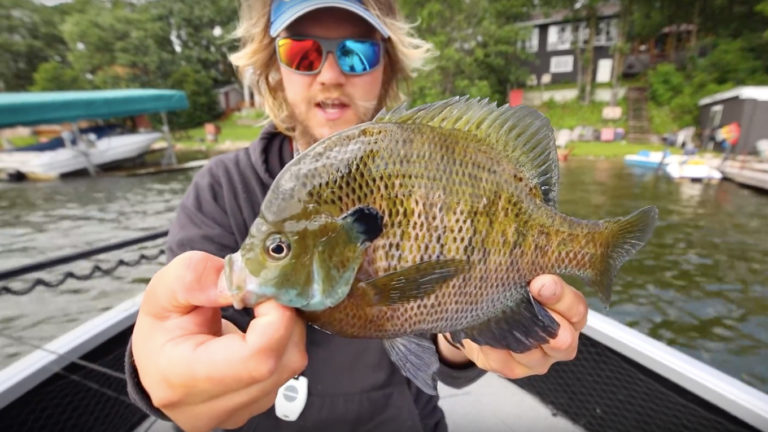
(241, 286)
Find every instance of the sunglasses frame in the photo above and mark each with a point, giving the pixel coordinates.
(329, 45)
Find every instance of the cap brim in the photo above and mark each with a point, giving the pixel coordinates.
(293, 12)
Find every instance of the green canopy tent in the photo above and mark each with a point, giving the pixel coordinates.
(30, 108)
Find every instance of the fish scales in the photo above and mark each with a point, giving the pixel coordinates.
(458, 210)
(429, 220)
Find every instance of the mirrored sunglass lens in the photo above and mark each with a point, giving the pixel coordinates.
(304, 55)
(358, 56)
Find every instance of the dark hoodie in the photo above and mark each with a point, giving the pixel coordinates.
(352, 383)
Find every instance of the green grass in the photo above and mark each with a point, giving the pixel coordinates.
(568, 115)
(237, 127)
(612, 149)
(566, 85)
(662, 120)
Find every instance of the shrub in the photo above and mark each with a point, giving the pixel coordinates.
(203, 105)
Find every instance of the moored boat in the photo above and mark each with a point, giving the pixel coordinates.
(688, 167)
(649, 159)
(87, 149)
(693, 168)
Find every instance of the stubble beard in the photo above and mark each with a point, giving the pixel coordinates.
(365, 110)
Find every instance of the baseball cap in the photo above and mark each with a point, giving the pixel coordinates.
(284, 12)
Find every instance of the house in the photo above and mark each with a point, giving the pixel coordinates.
(674, 43)
(551, 43)
(746, 105)
(230, 98)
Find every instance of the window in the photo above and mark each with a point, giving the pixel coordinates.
(561, 64)
(559, 37)
(715, 114)
(606, 32)
(532, 44)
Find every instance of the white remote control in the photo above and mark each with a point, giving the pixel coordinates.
(291, 398)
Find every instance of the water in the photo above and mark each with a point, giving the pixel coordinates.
(44, 220)
(699, 285)
(701, 282)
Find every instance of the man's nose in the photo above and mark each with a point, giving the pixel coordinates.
(330, 73)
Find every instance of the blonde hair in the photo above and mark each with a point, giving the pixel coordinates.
(405, 54)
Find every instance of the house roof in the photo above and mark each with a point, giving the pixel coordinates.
(759, 93)
(563, 15)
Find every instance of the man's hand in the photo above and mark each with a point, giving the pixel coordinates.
(201, 370)
(567, 305)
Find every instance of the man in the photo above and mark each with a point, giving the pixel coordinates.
(321, 66)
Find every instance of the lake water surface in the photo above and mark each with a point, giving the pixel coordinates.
(700, 284)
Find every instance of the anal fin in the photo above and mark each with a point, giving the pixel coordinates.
(519, 328)
(416, 357)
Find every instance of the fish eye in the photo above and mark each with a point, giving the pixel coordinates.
(277, 247)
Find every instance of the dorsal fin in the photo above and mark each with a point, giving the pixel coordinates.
(520, 134)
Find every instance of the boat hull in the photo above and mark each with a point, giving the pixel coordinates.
(54, 163)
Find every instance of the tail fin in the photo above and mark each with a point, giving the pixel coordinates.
(628, 234)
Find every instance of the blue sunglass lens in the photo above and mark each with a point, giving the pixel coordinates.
(358, 56)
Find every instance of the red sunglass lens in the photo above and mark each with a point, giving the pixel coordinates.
(304, 55)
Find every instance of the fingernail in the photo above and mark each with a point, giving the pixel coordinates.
(547, 289)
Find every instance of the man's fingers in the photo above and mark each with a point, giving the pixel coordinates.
(275, 341)
(509, 364)
(564, 346)
(190, 280)
(552, 292)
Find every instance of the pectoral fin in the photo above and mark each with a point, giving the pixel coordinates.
(411, 283)
(417, 359)
(519, 328)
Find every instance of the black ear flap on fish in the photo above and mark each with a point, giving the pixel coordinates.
(519, 328)
(364, 223)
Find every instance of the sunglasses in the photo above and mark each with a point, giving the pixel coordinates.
(307, 55)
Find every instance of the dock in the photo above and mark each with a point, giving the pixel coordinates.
(746, 171)
(157, 169)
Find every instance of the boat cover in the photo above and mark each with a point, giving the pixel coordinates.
(31, 108)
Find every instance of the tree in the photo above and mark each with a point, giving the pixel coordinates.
(480, 51)
(29, 36)
(203, 105)
(118, 44)
(53, 75)
(620, 48)
(763, 9)
(590, 13)
(199, 34)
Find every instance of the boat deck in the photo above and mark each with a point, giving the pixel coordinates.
(491, 404)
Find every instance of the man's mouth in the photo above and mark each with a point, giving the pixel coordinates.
(332, 108)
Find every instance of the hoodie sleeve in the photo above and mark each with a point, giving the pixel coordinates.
(457, 377)
(201, 221)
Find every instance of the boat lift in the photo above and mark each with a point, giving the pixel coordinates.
(35, 108)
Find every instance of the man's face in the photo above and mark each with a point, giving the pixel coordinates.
(330, 101)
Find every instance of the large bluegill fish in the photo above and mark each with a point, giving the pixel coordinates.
(428, 220)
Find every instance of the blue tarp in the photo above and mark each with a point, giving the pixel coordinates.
(31, 108)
